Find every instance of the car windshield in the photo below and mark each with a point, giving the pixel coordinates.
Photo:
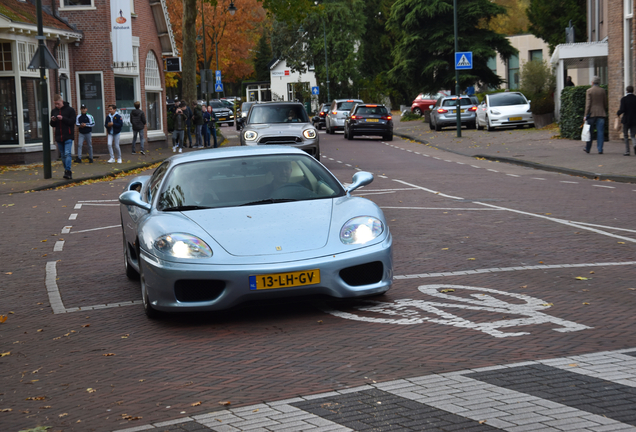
(345, 106)
(369, 110)
(507, 99)
(453, 102)
(217, 104)
(246, 106)
(240, 181)
(278, 113)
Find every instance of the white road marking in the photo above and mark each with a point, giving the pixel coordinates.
(51, 288)
(512, 175)
(104, 306)
(96, 229)
(564, 181)
(460, 163)
(66, 229)
(436, 158)
(339, 161)
(418, 153)
(440, 208)
(97, 201)
(425, 155)
(96, 204)
(381, 176)
(608, 187)
(374, 193)
(489, 169)
(59, 246)
(561, 221)
(73, 216)
(507, 269)
(447, 160)
(410, 312)
(348, 165)
(78, 206)
(475, 166)
(537, 178)
(604, 226)
(384, 190)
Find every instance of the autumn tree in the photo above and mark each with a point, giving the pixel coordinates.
(514, 21)
(262, 57)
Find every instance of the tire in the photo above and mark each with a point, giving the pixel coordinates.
(349, 135)
(430, 124)
(488, 127)
(479, 126)
(388, 137)
(417, 111)
(437, 127)
(150, 312)
(131, 273)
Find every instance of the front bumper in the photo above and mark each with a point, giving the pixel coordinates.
(451, 119)
(508, 120)
(161, 278)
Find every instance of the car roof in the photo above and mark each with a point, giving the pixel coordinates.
(236, 151)
(347, 100)
(278, 103)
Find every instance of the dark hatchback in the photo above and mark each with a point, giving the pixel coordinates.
(368, 119)
(320, 118)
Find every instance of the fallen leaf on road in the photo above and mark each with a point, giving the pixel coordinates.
(45, 407)
(225, 403)
(447, 290)
(129, 417)
(142, 380)
(319, 321)
(581, 278)
(9, 273)
(108, 354)
(196, 404)
(36, 398)
(540, 262)
(621, 242)
(6, 409)
(45, 240)
(3, 318)
(444, 248)
(573, 365)
(547, 304)
(585, 303)
(40, 330)
(91, 390)
(256, 410)
(471, 259)
(125, 336)
(591, 272)
(482, 421)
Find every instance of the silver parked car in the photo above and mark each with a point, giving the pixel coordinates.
(444, 113)
(338, 112)
(282, 123)
(504, 109)
(210, 230)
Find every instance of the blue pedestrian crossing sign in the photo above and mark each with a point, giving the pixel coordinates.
(463, 60)
(315, 90)
(218, 87)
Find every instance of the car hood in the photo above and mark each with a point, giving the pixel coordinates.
(268, 229)
(512, 109)
(279, 127)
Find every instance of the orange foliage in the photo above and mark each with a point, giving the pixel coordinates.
(236, 35)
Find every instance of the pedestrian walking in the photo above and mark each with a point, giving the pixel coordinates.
(84, 123)
(113, 125)
(138, 122)
(188, 113)
(628, 111)
(177, 134)
(206, 129)
(595, 113)
(212, 125)
(63, 120)
(197, 120)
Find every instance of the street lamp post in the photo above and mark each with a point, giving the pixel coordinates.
(46, 139)
(458, 105)
(324, 33)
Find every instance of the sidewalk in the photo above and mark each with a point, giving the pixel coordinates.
(535, 148)
(21, 178)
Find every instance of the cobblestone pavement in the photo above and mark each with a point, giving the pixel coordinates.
(587, 393)
(495, 264)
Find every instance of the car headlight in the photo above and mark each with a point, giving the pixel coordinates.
(250, 135)
(309, 133)
(495, 112)
(181, 245)
(361, 230)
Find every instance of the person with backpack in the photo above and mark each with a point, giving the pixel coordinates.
(84, 123)
(138, 122)
(63, 120)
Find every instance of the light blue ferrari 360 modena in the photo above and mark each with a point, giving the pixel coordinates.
(212, 229)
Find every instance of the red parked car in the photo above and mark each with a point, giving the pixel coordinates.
(423, 101)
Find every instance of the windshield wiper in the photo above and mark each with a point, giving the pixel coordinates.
(269, 201)
(186, 208)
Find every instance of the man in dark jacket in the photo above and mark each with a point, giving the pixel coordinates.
(188, 113)
(177, 133)
(628, 110)
(63, 120)
(138, 122)
(197, 120)
(113, 124)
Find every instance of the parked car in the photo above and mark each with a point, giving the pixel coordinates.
(245, 107)
(423, 101)
(337, 113)
(444, 113)
(289, 228)
(368, 119)
(504, 109)
(283, 123)
(319, 119)
(224, 115)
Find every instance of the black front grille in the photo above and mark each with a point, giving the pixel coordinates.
(363, 274)
(280, 140)
(198, 290)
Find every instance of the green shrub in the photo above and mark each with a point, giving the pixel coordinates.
(409, 116)
(572, 108)
(537, 77)
(541, 103)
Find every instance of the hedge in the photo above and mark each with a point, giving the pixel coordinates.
(572, 108)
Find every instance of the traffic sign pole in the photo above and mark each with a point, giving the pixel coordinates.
(457, 106)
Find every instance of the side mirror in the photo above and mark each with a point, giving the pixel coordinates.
(133, 198)
(361, 178)
(431, 107)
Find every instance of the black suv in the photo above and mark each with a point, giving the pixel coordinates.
(369, 119)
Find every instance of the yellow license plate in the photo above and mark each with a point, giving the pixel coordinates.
(373, 120)
(515, 118)
(222, 118)
(463, 110)
(284, 280)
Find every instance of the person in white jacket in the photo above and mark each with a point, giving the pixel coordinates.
(85, 123)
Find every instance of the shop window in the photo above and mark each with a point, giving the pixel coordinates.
(6, 62)
(22, 56)
(90, 89)
(513, 72)
(8, 116)
(153, 111)
(31, 109)
(77, 3)
(125, 99)
(536, 55)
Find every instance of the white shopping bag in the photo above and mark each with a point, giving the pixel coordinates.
(585, 133)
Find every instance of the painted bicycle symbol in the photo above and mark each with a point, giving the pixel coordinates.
(411, 312)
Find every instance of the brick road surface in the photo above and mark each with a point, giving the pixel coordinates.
(161, 370)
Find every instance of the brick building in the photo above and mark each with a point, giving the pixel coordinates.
(96, 67)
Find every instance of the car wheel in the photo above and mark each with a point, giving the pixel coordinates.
(488, 127)
(349, 135)
(438, 127)
(131, 273)
(388, 137)
(430, 124)
(417, 111)
(151, 312)
(479, 126)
